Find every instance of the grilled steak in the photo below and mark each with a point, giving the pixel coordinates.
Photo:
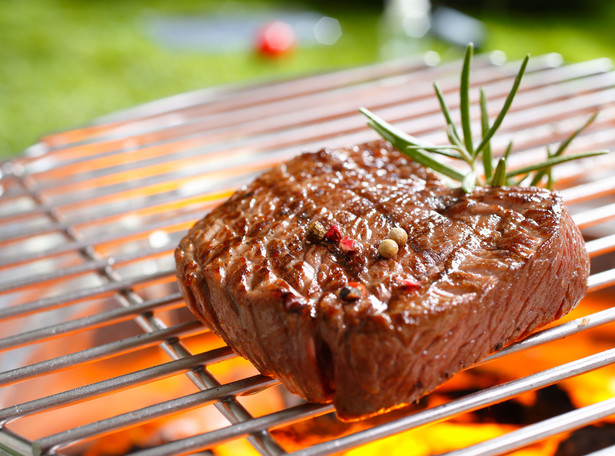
(336, 321)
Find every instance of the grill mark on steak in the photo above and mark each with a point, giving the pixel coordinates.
(493, 266)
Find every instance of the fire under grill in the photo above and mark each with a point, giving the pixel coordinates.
(100, 357)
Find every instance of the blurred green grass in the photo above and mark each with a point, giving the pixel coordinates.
(66, 62)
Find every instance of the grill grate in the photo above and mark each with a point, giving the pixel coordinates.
(89, 218)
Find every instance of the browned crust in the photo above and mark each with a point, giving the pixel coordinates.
(322, 359)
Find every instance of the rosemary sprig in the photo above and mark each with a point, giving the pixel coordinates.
(462, 148)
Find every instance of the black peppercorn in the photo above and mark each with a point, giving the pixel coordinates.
(352, 292)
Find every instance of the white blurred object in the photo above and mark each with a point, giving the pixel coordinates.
(410, 28)
(327, 31)
(404, 27)
(457, 28)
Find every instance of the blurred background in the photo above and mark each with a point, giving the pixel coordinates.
(65, 62)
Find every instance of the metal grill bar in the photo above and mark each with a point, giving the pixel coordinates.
(602, 280)
(115, 384)
(48, 303)
(595, 216)
(125, 345)
(14, 443)
(165, 163)
(90, 322)
(179, 188)
(589, 190)
(272, 421)
(553, 426)
(236, 103)
(217, 393)
(102, 238)
(557, 332)
(87, 267)
(604, 452)
(471, 402)
(601, 246)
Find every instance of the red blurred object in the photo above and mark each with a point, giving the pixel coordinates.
(275, 39)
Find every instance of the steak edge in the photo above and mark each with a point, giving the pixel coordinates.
(479, 271)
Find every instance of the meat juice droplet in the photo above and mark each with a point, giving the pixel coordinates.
(190, 273)
(188, 279)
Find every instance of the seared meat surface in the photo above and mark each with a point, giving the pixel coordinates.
(478, 272)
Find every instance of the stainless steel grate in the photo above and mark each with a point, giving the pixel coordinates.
(89, 310)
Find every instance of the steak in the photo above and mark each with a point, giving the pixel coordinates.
(336, 321)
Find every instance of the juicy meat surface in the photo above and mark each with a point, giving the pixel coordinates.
(478, 272)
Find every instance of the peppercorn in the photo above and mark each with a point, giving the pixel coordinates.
(316, 231)
(352, 292)
(398, 235)
(388, 248)
(334, 234)
(408, 283)
(347, 245)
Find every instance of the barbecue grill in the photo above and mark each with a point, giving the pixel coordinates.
(97, 344)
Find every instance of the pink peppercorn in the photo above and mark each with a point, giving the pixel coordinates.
(334, 234)
(407, 283)
(347, 245)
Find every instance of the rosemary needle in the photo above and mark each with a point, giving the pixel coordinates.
(484, 121)
(464, 100)
(495, 174)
